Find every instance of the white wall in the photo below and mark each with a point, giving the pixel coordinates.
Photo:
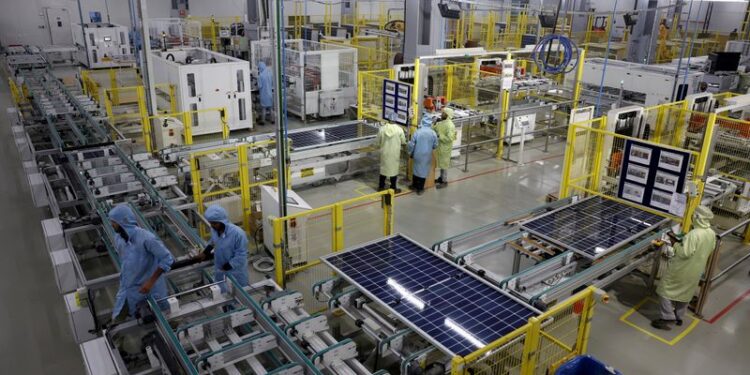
(218, 8)
(23, 21)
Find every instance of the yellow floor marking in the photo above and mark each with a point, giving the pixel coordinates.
(624, 319)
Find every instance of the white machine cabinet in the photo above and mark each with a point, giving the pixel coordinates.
(102, 45)
(207, 80)
(296, 230)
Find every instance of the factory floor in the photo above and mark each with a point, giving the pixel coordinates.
(35, 336)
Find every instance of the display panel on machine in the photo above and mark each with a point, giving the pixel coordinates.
(593, 227)
(453, 309)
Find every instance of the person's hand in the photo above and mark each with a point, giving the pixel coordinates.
(146, 287)
(226, 267)
(200, 257)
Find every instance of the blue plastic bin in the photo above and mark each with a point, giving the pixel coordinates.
(586, 365)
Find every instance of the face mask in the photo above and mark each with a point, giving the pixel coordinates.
(123, 234)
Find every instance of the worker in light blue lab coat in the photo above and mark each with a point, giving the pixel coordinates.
(143, 258)
(229, 246)
(422, 142)
(265, 91)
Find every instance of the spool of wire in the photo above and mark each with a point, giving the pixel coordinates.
(548, 58)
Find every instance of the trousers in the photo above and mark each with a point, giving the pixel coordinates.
(418, 183)
(381, 183)
(672, 310)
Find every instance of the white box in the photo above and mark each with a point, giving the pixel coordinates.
(81, 320)
(53, 234)
(296, 232)
(102, 45)
(207, 80)
(65, 273)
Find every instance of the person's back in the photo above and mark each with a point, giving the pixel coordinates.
(265, 85)
(390, 139)
(688, 264)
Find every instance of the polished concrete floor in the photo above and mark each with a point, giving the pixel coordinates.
(35, 337)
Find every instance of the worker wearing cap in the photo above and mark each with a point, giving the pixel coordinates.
(684, 269)
(229, 247)
(390, 140)
(446, 132)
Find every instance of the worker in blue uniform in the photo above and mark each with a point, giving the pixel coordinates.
(420, 147)
(143, 261)
(229, 247)
(265, 91)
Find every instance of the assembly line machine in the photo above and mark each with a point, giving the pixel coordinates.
(79, 167)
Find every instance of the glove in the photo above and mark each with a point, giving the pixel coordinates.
(208, 252)
(226, 267)
(667, 251)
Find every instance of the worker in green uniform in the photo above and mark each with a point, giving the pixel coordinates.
(446, 132)
(684, 269)
(390, 139)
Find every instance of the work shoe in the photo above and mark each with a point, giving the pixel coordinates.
(661, 324)
(438, 181)
(420, 192)
(678, 322)
(441, 185)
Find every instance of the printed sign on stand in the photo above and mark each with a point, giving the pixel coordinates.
(396, 101)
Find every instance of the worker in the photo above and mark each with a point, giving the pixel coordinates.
(229, 246)
(687, 261)
(265, 90)
(143, 260)
(422, 142)
(390, 139)
(446, 132)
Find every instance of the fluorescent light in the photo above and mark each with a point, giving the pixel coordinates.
(463, 333)
(405, 294)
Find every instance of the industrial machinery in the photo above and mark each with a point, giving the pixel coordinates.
(296, 245)
(633, 83)
(102, 45)
(321, 79)
(207, 80)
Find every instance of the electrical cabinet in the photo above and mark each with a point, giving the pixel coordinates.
(207, 81)
(296, 231)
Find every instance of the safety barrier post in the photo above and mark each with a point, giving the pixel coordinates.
(568, 161)
(659, 128)
(145, 120)
(360, 102)
(699, 173)
(187, 125)
(681, 125)
(457, 365)
(389, 201)
(531, 347)
(598, 154)
(579, 79)
(278, 250)
(113, 85)
(244, 185)
(449, 83)
(587, 314)
(172, 99)
(338, 227)
(224, 123)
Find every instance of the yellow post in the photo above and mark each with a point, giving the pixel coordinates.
(195, 177)
(679, 131)
(172, 99)
(699, 173)
(457, 366)
(503, 118)
(214, 41)
(278, 250)
(244, 186)
(145, 120)
(567, 162)
(360, 88)
(530, 347)
(338, 227)
(598, 154)
(659, 128)
(449, 83)
(746, 235)
(327, 15)
(579, 79)
(584, 328)
(113, 86)
(187, 124)
(224, 123)
(415, 99)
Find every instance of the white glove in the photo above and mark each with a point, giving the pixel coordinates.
(667, 251)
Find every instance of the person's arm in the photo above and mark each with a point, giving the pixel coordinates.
(435, 142)
(412, 145)
(164, 260)
(239, 252)
(403, 137)
(686, 248)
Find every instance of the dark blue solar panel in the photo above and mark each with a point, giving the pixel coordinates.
(453, 303)
(593, 227)
(331, 134)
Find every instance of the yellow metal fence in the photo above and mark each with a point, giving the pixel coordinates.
(301, 239)
(370, 93)
(540, 346)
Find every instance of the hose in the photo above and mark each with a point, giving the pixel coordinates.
(543, 50)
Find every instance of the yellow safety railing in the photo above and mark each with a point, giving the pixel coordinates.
(594, 154)
(231, 176)
(188, 119)
(539, 347)
(211, 28)
(370, 93)
(373, 53)
(302, 238)
(127, 111)
(15, 92)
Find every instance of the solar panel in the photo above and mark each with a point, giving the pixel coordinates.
(593, 227)
(448, 306)
(331, 134)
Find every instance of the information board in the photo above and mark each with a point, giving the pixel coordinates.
(396, 101)
(654, 176)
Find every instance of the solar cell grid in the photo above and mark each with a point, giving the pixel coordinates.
(331, 134)
(453, 309)
(593, 227)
